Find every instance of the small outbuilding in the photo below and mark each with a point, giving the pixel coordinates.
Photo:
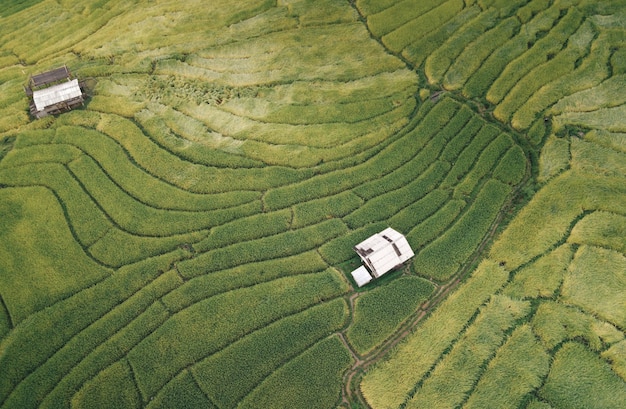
(381, 253)
(53, 92)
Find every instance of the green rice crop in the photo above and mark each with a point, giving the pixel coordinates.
(482, 166)
(368, 7)
(420, 47)
(387, 384)
(616, 356)
(462, 139)
(441, 59)
(518, 368)
(434, 225)
(466, 159)
(40, 154)
(443, 257)
(314, 376)
(397, 40)
(610, 119)
(379, 313)
(607, 94)
(614, 141)
(245, 275)
(398, 14)
(85, 219)
(559, 66)
(595, 282)
(475, 53)
(387, 205)
(341, 248)
(42, 380)
(528, 11)
(602, 229)
(114, 386)
(409, 217)
(183, 391)
(543, 277)
(512, 167)
(580, 379)
(455, 375)
(246, 228)
(231, 320)
(229, 375)
(280, 245)
(315, 211)
(33, 222)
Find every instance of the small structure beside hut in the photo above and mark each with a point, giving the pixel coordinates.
(53, 92)
(380, 254)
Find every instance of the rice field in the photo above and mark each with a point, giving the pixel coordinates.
(184, 239)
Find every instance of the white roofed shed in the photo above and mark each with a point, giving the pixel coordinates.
(382, 253)
(65, 91)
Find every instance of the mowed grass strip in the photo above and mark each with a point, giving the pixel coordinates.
(455, 375)
(229, 375)
(380, 312)
(211, 324)
(518, 369)
(388, 384)
(314, 376)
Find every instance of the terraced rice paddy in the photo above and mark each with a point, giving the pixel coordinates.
(185, 238)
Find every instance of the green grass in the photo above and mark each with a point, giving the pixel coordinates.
(601, 229)
(555, 158)
(379, 313)
(120, 390)
(314, 376)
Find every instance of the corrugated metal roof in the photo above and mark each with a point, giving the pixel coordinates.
(55, 94)
(384, 251)
(50, 76)
(361, 276)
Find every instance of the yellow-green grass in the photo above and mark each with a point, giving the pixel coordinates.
(396, 15)
(511, 168)
(543, 277)
(616, 356)
(601, 229)
(518, 368)
(388, 384)
(380, 312)
(229, 375)
(555, 158)
(594, 158)
(580, 379)
(595, 282)
(615, 141)
(555, 323)
(315, 211)
(434, 225)
(548, 217)
(314, 376)
(560, 65)
(40, 259)
(607, 94)
(539, 53)
(409, 217)
(231, 319)
(455, 375)
(341, 248)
